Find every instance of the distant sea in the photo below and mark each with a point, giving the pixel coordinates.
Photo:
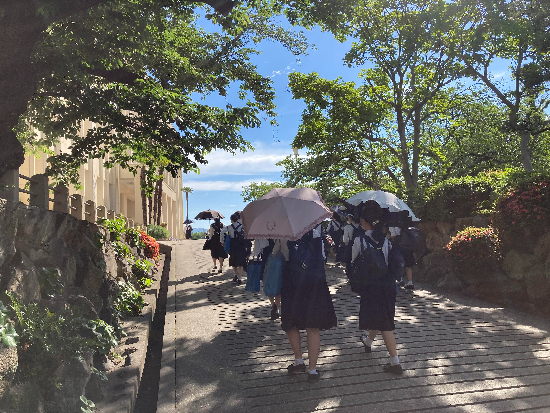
(199, 229)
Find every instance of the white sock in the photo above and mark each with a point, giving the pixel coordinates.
(394, 360)
(298, 362)
(368, 341)
(410, 283)
(313, 371)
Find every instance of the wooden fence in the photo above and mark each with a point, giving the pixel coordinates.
(39, 196)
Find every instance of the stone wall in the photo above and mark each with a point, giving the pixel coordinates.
(32, 239)
(522, 281)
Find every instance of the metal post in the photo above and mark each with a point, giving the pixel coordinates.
(77, 204)
(90, 211)
(9, 186)
(110, 214)
(61, 199)
(39, 191)
(130, 223)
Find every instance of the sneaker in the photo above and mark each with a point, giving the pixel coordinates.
(220, 271)
(274, 312)
(239, 282)
(401, 282)
(313, 377)
(409, 287)
(235, 279)
(296, 368)
(393, 369)
(215, 267)
(367, 347)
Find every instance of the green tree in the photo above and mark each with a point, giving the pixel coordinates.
(257, 190)
(188, 190)
(401, 43)
(340, 129)
(519, 33)
(131, 67)
(24, 24)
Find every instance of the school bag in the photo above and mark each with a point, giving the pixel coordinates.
(238, 237)
(411, 239)
(306, 260)
(273, 274)
(370, 268)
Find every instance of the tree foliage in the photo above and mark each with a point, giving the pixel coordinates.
(137, 69)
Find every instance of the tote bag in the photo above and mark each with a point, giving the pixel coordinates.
(227, 244)
(253, 275)
(273, 274)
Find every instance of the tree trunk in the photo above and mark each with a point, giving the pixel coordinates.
(143, 183)
(159, 184)
(525, 156)
(150, 209)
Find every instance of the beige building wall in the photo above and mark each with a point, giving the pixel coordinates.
(115, 188)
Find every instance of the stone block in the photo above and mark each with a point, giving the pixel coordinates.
(436, 242)
(445, 228)
(8, 226)
(24, 278)
(538, 286)
(517, 264)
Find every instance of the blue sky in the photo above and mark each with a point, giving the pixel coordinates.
(219, 184)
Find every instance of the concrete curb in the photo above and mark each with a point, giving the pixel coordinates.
(124, 380)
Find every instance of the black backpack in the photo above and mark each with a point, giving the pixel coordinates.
(370, 268)
(238, 236)
(411, 239)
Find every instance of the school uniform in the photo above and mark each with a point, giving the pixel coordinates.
(377, 305)
(305, 297)
(216, 247)
(238, 250)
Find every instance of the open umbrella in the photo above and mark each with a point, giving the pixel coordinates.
(385, 200)
(286, 213)
(188, 221)
(209, 214)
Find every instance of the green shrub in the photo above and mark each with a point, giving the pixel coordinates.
(129, 301)
(198, 235)
(459, 197)
(49, 339)
(141, 268)
(157, 232)
(474, 251)
(133, 237)
(121, 249)
(115, 226)
(145, 282)
(10, 338)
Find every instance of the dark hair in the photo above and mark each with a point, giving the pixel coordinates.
(235, 217)
(371, 211)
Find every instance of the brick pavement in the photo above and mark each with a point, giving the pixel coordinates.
(222, 353)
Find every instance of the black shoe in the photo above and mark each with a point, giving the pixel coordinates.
(313, 377)
(235, 279)
(239, 282)
(401, 282)
(274, 312)
(367, 347)
(409, 287)
(296, 368)
(220, 271)
(393, 369)
(215, 267)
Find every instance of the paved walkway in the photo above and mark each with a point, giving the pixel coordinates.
(223, 354)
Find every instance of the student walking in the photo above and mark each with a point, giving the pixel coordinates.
(377, 305)
(305, 301)
(216, 248)
(238, 247)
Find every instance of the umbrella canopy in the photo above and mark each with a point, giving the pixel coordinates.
(209, 214)
(286, 213)
(188, 221)
(385, 200)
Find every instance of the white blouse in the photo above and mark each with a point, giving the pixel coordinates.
(356, 248)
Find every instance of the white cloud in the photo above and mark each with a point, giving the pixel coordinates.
(249, 163)
(221, 185)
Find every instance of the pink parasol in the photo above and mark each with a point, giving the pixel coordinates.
(286, 213)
